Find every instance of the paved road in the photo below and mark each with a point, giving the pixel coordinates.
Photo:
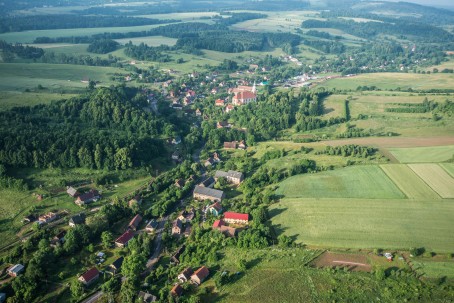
(157, 244)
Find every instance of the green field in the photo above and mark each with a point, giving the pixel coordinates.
(435, 269)
(367, 182)
(408, 182)
(12, 99)
(431, 154)
(367, 223)
(449, 167)
(436, 177)
(393, 81)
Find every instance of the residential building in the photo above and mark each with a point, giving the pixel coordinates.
(58, 239)
(198, 112)
(151, 226)
(236, 218)
(146, 297)
(72, 192)
(185, 275)
(15, 270)
(223, 124)
(176, 156)
(242, 145)
(219, 102)
(177, 290)
(123, 240)
(206, 193)
(200, 275)
(47, 218)
(230, 145)
(78, 219)
(208, 182)
(232, 176)
(177, 227)
(229, 108)
(135, 222)
(136, 200)
(215, 209)
(116, 265)
(175, 259)
(89, 277)
(179, 183)
(89, 197)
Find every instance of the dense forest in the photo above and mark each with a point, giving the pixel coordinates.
(106, 129)
(9, 51)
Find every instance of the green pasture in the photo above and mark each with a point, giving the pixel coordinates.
(434, 269)
(358, 182)
(9, 99)
(449, 167)
(436, 177)
(393, 81)
(433, 154)
(408, 182)
(367, 223)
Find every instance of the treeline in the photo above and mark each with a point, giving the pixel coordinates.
(62, 58)
(26, 52)
(329, 47)
(323, 35)
(106, 129)
(102, 46)
(7, 182)
(424, 107)
(351, 150)
(237, 17)
(35, 22)
(149, 53)
(403, 28)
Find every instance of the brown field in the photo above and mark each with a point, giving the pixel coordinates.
(354, 262)
(436, 177)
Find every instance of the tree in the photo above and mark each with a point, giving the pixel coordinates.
(106, 239)
(77, 289)
(128, 290)
(133, 265)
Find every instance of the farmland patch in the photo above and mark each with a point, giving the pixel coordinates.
(423, 154)
(436, 177)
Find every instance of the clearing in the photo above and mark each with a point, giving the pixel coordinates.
(353, 262)
(436, 177)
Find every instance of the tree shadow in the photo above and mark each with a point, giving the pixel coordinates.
(276, 211)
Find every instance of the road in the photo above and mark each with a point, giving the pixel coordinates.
(93, 298)
(157, 244)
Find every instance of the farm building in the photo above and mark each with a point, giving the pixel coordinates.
(231, 217)
(15, 270)
(87, 198)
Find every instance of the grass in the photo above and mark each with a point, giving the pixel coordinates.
(436, 177)
(367, 182)
(408, 182)
(423, 154)
(449, 167)
(367, 223)
(388, 81)
(10, 99)
(435, 269)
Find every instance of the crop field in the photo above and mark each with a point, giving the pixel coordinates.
(408, 182)
(432, 154)
(367, 182)
(367, 223)
(150, 41)
(436, 177)
(393, 81)
(449, 167)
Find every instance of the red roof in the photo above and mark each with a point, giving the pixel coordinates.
(217, 206)
(135, 221)
(124, 238)
(218, 223)
(219, 102)
(177, 290)
(202, 273)
(90, 274)
(236, 216)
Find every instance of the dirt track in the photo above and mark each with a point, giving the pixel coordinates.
(387, 142)
(354, 262)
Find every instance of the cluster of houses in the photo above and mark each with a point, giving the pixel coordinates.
(83, 199)
(182, 225)
(187, 275)
(235, 145)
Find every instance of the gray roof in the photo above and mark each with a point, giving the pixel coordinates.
(78, 219)
(230, 173)
(206, 191)
(207, 182)
(16, 268)
(71, 191)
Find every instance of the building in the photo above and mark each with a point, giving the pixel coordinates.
(225, 229)
(47, 218)
(206, 193)
(177, 227)
(15, 270)
(146, 297)
(58, 239)
(176, 140)
(136, 200)
(176, 156)
(236, 218)
(72, 192)
(200, 275)
(198, 112)
(151, 226)
(223, 124)
(242, 145)
(208, 162)
(219, 102)
(232, 176)
(230, 145)
(78, 219)
(179, 183)
(243, 97)
(135, 222)
(208, 182)
(89, 277)
(123, 240)
(177, 290)
(185, 275)
(87, 198)
(229, 108)
(175, 259)
(216, 157)
(215, 209)
(116, 265)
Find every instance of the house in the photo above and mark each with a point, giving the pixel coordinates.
(89, 197)
(179, 183)
(123, 240)
(215, 90)
(223, 124)
(176, 140)
(177, 227)
(185, 275)
(230, 145)
(209, 162)
(136, 200)
(151, 226)
(244, 97)
(229, 108)
(72, 192)
(58, 239)
(135, 222)
(231, 176)
(216, 157)
(208, 182)
(177, 290)
(175, 259)
(49, 217)
(225, 229)
(176, 156)
(219, 102)
(2, 297)
(215, 209)
(242, 145)
(198, 112)
(15, 270)
(231, 217)
(29, 218)
(89, 276)
(206, 193)
(189, 215)
(78, 219)
(146, 297)
(116, 265)
(200, 275)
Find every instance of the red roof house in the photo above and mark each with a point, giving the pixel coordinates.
(123, 240)
(231, 217)
(219, 102)
(89, 276)
(218, 223)
(200, 275)
(177, 290)
(135, 222)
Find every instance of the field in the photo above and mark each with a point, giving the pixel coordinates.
(436, 177)
(12, 99)
(367, 223)
(393, 81)
(408, 182)
(150, 41)
(366, 182)
(435, 269)
(353, 262)
(432, 154)
(449, 167)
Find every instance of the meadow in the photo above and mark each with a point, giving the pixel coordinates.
(435, 269)
(367, 223)
(356, 182)
(449, 167)
(432, 154)
(436, 177)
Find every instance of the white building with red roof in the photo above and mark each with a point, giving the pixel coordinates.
(123, 240)
(231, 217)
(89, 276)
